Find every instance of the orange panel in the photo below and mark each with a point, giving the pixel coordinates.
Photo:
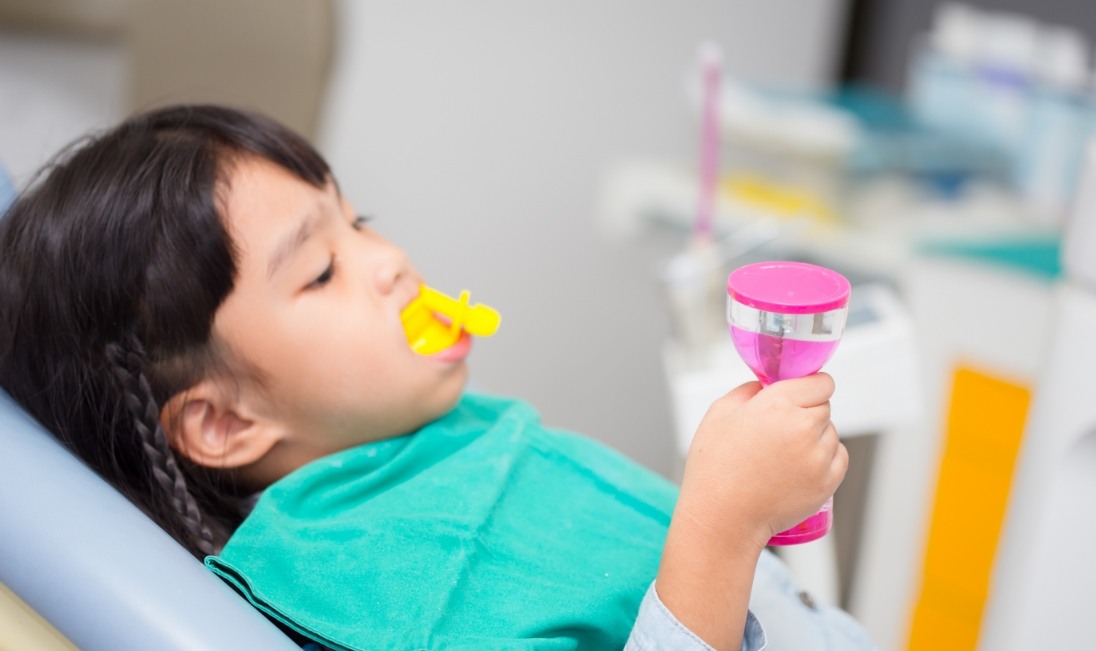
(985, 427)
(939, 629)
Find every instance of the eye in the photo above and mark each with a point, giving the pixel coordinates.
(325, 277)
(360, 222)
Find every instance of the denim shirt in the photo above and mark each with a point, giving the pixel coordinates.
(657, 629)
(792, 620)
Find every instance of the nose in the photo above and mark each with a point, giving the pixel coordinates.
(392, 267)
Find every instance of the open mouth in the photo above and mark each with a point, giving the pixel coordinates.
(434, 323)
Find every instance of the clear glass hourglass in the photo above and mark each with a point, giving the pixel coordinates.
(785, 320)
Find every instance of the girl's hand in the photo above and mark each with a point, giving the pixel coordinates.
(763, 460)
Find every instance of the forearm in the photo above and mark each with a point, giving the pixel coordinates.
(705, 579)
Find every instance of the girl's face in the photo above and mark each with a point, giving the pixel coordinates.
(316, 309)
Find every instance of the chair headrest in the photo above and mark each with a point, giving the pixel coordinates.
(96, 567)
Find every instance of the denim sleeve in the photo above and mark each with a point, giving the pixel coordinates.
(656, 629)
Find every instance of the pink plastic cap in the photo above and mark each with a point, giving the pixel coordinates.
(788, 287)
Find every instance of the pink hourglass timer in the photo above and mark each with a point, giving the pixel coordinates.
(785, 319)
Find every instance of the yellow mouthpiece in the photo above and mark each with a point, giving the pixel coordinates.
(428, 334)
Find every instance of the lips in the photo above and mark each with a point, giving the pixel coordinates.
(457, 352)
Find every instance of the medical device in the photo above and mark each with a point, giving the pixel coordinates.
(434, 321)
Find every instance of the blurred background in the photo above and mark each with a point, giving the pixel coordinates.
(557, 158)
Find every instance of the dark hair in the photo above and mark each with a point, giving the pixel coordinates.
(112, 267)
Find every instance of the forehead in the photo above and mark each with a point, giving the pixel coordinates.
(264, 204)
(259, 196)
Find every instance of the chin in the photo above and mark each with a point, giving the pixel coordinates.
(447, 397)
(455, 393)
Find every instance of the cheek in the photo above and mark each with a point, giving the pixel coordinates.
(327, 351)
(359, 355)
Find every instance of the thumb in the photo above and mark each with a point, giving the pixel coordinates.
(741, 394)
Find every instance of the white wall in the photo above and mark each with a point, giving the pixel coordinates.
(477, 131)
(54, 90)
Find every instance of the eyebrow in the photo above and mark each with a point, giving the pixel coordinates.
(289, 246)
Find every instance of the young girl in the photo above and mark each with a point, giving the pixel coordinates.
(191, 306)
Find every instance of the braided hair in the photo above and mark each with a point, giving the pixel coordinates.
(112, 267)
(126, 363)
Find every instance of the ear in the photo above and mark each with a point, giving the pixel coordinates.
(210, 426)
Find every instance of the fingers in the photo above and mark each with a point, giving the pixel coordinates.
(839, 461)
(830, 438)
(840, 466)
(820, 416)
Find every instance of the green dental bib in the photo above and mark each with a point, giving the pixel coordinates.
(483, 530)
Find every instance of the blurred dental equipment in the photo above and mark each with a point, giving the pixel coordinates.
(691, 278)
(1018, 86)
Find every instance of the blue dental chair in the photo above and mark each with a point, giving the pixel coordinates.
(96, 568)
